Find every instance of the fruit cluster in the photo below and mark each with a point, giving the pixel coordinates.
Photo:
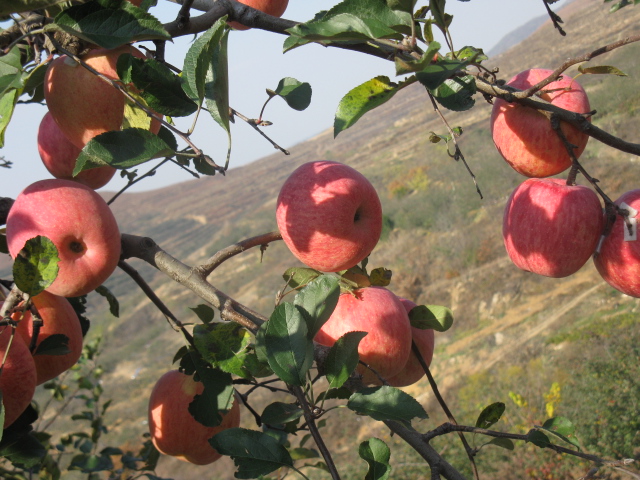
(552, 227)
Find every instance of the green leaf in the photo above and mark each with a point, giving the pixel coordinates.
(435, 74)
(297, 94)
(386, 403)
(254, 453)
(109, 27)
(408, 66)
(562, 428)
(303, 453)
(36, 266)
(114, 305)
(278, 413)
(503, 443)
(204, 312)
(601, 70)
(217, 396)
(490, 415)
(225, 346)
(471, 53)
(457, 93)
(25, 451)
(300, 276)
(362, 99)
(159, 86)
(343, 358)
(380, 277)
(11, 71)
(538, 438)
(56, 344)
(377, 454)
(121, 149)
(437, 317)
(7, 105)
(289, 350)
(316, 301)
(217, 87)
(91, 463)
(404, 5)
(15, 6)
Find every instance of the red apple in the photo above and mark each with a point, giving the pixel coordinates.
(425, 341)
(80, 102)
(79, 223)
(551, 228)
(58, 317)
(618, 261)
(59, 156)
(173, 429)
(380, 313)
(274, 8)
(329, 215)
(18, 379)
(524, 136)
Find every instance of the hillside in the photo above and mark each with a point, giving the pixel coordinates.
(514, 332)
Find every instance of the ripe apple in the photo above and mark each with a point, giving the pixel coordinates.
(81, 103)
(59, 156)
(380, 313)
(551, 228)
(275, 8)
(79, 223)
(173, 429)
(618, 261)
(18, 379)
(524, 136)
(425, 341)
(58, 317)
(329, 215)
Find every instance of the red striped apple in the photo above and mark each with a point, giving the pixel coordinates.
(524, 136)
(379, 312)
(79, 223)
(329, 215)
(173, 429)
(425, 341)
(618, 261)
(59, 156)
(82, 104)
(18, 379)
(58, 317)
(551, 228)
(275, 8)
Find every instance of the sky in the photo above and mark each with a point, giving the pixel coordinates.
(256, 62)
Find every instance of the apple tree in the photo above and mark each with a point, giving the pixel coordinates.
(338, 337)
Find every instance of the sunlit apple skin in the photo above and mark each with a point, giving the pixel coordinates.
(58, 317)
(18, 379)
(618, 262)
(173, 429)
(425, 341)
(524, 137)
(79, 223)
(80, 102)
(275, 8)
(380, 313)
(551, 228)
(329, 215)
(59, 156)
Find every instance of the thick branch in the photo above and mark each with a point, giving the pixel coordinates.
(146, 249)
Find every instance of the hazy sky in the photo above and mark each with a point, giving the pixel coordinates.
(256, 62)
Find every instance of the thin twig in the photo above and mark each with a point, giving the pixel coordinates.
(555, 18)
(254, 124)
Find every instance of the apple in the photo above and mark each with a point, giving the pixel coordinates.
(524, 136)
(275, 8)
(379, 312)
(425, 341)
(18, 379)
(618, 261)
(551, 228)
(82, 104)
(173, 429)
(59, 156)
(79, 223)
(329, 215)
(58, 317)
